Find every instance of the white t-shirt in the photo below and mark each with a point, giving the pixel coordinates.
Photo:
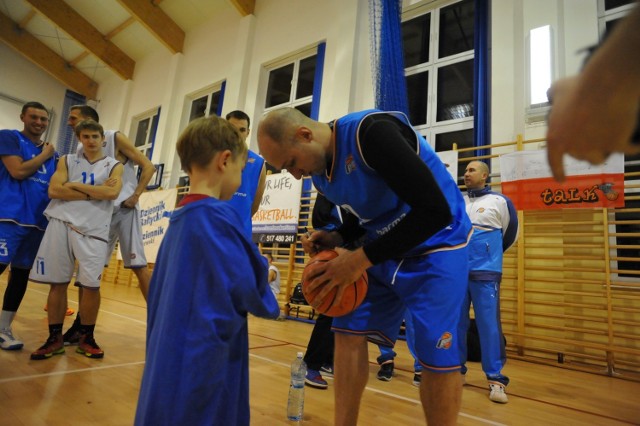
(275, 284)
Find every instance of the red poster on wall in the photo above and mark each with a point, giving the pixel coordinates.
(527, 180)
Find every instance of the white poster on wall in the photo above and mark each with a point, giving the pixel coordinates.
(450, 160)
(155, 211)
(276, 221)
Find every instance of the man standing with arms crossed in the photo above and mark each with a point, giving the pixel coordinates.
(82, 191)
(26, 166)
(125, 222)
(495, 229)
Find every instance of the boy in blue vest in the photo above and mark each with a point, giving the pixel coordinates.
(197, 368)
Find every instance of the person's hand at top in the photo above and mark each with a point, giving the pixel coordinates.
(596, 112)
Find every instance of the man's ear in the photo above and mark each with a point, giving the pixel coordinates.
(304, 134)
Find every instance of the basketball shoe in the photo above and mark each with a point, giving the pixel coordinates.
(53, 346)
(315, 380)
(88, 347)
(497, 393)
(8, 342)
(327, 370)
(417, 378)
(386, 371)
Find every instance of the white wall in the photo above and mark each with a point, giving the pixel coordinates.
(574, 25)
(21, 79)
(236, 50)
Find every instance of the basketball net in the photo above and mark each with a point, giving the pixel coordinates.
(387, 60)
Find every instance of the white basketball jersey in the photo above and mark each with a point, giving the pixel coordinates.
(89, 217)
(129, 179)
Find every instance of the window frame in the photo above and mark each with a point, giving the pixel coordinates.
(295, 60)
(433, 65)
(151, 115)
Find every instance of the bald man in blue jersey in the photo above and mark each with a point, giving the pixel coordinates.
(375, 165)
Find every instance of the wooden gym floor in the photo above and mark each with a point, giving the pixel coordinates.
(73, 389)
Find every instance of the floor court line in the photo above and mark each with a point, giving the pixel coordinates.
(65, 372)
(389, 394)
(280, 343)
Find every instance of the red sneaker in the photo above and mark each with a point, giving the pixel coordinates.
(53, 346)
(88, 347)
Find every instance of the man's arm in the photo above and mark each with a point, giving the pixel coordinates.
(260, 191)
(20, 169)
(58, 189)
(386, 148)
(510, 226)
(126, 148)
(109, 190)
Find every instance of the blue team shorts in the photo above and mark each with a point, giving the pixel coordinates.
(19, 244)
(432, 288)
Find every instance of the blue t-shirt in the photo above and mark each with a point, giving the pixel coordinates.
(242, 200)
(22, 201)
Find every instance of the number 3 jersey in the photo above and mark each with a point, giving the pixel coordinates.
(22, 201)
(88, 217)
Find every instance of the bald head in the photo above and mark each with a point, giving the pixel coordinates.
(281, 125)
(476, 175)
(290, 140)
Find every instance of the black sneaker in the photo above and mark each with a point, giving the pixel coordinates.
(386, 371)
(72, 336)
(53, 346)
(417, 378)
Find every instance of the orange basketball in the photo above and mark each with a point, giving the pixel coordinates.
(353, 294)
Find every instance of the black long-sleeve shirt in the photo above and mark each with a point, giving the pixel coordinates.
(390, 148)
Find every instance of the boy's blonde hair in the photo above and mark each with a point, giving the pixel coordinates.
(204, 138)
(89, 124)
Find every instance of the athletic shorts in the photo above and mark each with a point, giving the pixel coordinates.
(432, 288)
(126, 228)
(19, 244)
(59, 249)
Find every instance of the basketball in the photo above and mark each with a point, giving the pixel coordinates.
(353, 295)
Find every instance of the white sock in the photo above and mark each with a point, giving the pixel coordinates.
(6, 318)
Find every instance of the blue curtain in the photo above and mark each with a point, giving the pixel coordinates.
(317, 82)
(387, 55)
(67, 143)
(482, 78)
(223, 88)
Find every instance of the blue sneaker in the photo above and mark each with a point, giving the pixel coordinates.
(327, 370)
(315, 380)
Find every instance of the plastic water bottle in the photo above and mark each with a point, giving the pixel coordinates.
(295, 405)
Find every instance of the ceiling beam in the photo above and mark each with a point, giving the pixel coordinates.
(245, 7)
(28, 17)
(111, 34)
(156, 21)
(74, 24)
(41, 55)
